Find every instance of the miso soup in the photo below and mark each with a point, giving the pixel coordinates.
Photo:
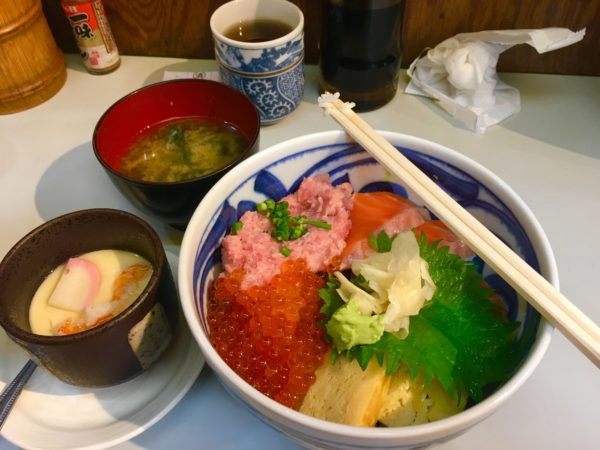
(182, 150)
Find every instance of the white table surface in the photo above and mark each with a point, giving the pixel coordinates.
(549, 154)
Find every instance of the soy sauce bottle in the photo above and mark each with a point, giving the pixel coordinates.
(361, 50)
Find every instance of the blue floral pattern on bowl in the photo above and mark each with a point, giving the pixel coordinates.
(260, 61)
(275, 97)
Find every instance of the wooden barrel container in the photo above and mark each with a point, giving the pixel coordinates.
(32, 68)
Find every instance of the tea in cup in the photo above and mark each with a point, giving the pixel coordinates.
(259, 46)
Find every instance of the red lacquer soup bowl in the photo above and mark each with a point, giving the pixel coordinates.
(159, 104)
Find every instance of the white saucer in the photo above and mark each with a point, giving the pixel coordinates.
(52, 415)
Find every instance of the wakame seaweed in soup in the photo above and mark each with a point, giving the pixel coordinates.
(182, 150)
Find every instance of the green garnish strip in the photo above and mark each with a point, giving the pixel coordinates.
(318, 224)
(287, 227)
(177, 138)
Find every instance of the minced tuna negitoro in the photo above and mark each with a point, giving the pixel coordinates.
(254, 250)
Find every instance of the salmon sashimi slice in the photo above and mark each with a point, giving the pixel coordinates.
(374, 212)
(435, 230)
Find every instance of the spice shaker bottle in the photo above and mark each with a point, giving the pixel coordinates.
(361, 50)
(93, 35)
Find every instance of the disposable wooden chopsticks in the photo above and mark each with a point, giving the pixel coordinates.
(554, 306)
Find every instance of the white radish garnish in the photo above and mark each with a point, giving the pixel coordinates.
(77, 286)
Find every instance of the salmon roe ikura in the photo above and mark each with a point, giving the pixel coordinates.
(269, 334)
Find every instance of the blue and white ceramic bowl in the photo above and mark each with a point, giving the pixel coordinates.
(277, 171)
(269, 72)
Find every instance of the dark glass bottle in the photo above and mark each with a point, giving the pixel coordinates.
(361, 50)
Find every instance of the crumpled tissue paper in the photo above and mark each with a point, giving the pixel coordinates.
(460, 72)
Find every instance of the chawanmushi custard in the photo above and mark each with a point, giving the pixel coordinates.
(87, 291)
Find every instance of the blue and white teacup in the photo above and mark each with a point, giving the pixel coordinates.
(270, 72)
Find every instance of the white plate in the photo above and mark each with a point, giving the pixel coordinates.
(52, 415)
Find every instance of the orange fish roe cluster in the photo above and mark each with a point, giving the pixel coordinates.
(269, 334)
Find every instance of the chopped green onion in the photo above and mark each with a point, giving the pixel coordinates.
(318, 224)
(285, 226)
(236, 227)
(285, 251)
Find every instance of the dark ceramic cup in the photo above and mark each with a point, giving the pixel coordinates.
(103, 355)
(123, 123)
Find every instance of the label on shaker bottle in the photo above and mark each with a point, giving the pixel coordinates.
(92, 34)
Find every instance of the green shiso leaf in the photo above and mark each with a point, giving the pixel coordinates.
(331, 299)
(362, 283)
(382, 242)
(433, 353)
(459, 336)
